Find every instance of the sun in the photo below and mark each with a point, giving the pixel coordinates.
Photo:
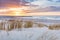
(18, 13)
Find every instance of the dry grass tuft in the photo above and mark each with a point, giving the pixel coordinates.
(28, 24)
(1, 25)
(54, 27)
(11, 24)
(15, 24)
(41, 25)
(19, 24)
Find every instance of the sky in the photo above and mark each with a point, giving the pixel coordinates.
(41, 3)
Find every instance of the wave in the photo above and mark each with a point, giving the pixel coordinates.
(33, 17)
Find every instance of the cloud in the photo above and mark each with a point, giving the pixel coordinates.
(41, 3)
(30, 0)
(54, 0)
(45, 3)
(11, 3)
